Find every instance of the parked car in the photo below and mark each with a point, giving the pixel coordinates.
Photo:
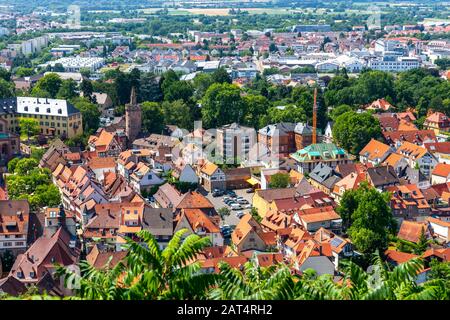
(250, 190)
(226, 198)
(217, 193)
(239, 214)
(242, 201)
(231, 193)
(248, 206)
(236, 206)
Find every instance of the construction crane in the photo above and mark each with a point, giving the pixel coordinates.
(314, 137)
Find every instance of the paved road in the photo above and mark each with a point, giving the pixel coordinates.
(231, 220)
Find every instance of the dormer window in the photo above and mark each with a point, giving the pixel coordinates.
(59, 111)
(36, 109)
(32, 274)
(19, 274)
(26, 108)
(48, 110)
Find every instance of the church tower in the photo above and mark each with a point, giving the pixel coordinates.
(133, 118)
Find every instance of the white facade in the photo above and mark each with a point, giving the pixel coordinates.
(395, 64)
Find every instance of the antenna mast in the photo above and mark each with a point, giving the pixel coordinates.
(314, 137)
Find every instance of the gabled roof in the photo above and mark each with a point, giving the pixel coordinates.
(438, 147)
(437, 117)
(375, 150)
(197, 219)
(209, 168)
(382, 175)
(411, 230)
(393, 159)
(273, 194)
(102, 163)
(313, 215)
(411, 150)
(194, 200)
(442, 170)
(399, 257)
(417, 136)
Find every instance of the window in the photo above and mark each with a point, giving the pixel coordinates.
(26, 108)
(32, 274)
(19, 243)
(48, 110)
(59, 112)
(36, 109)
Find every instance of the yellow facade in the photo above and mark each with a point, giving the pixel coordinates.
(71, 125)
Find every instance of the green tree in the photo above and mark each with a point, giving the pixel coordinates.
(222, 104)
(178, 90)
(369, 216)
(336, 112)
(221, 76)
(152, 117)
(25, 166)
(279, 180)
(68, 90)
(7, 260)
(50, 83)
(256, 107)
(87, 89)
(89, 112)
(149, 88)
(45, 195)
(352, 131)
(29, 127)
(254, 283)
(148, 273)
(177, 113)
(223, 212)
(24, 72)
(12, 164)
(6, 89)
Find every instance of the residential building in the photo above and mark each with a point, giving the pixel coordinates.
(327, 153)
(167, 196)
(234, 143)
(440, 173)
(419, 137)
(212, 177)
(279, 138)
(408, 201)
(440, 228)
(382, 177)
(413, 230)
(14, 225)
(40, 259)
(159, 222)
(196, 221)
(418, 157)
(237, 178)
(56, 117)
(374, 152)
(324, 178)
(249, 235)
(438, 122)
(312, 219)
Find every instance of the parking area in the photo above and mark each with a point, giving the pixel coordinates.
(218, 203)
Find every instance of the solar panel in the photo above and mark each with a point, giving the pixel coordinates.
(336, 242)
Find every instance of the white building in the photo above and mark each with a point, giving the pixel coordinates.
(75, 64)
(394, 64)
